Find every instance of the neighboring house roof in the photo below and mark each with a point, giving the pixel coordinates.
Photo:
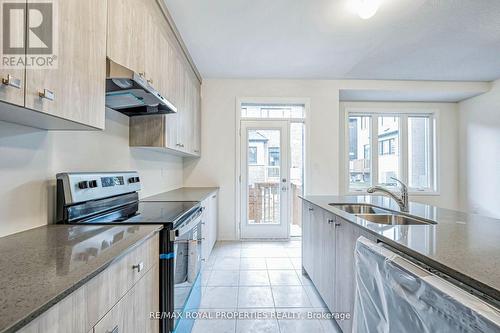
(256, 136)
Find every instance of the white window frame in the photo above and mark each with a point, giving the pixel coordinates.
(403, 113)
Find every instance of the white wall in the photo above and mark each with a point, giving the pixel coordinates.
(447, 148)
(480, 153)
(30, 159)
(217, 165)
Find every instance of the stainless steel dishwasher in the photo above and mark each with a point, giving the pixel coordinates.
(396, 294)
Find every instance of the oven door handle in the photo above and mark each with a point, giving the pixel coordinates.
(186, 226)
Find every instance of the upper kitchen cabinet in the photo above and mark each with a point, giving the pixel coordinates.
(127, 34)
(59, 80)
(167, 69)
(12, 79)
(75, 89)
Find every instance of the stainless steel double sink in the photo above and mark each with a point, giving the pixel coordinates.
(380, 215)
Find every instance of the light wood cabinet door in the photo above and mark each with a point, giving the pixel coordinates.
(127, 34)
(158, 49)
(67, 315)
(75, 90)
(12, 80)
(325, 273)
(12, 86)
(209, 230)
(196, 100)
(345, 280)
(214, 219)
(132, 313)
(307, 241)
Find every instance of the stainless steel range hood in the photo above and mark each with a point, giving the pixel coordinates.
(131, 94)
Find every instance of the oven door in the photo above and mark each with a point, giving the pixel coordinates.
(187, 264)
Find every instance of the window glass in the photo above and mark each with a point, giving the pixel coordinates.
(389, 152)
(277, 111)
(359, 152)
(252, 155)
(419, 152)
(273, 161)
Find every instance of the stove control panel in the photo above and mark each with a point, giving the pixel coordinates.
(85, 186)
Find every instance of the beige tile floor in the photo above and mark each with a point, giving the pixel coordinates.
(264, 280)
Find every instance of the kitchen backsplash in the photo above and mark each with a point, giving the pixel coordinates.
(30, 159)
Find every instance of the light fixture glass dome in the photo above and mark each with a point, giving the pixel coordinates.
(364, 8)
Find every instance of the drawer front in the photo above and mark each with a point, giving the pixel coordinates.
(107, 288)
(82, 309)
(132, 313)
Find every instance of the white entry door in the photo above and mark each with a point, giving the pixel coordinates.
(264, 179)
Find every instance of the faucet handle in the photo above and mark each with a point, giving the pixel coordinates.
(403, 185)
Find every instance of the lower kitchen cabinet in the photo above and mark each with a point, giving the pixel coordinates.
(210, 220)
(122, 296)
(307, 239)
(345, 277)
(318, 250)
(131, 313)
(328, 244)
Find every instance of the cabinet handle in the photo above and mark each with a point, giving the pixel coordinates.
(150, 81)
(47, 94)
(142, 74)
(311, 209)
(12, 81)
(114, 330)
(214, 196)
(196, 151)
(202, 238)
(337, 224)
(330, 221)
(139, 267)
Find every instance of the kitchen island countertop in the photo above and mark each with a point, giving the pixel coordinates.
(463, 246)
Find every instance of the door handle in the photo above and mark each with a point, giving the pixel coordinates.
(12, 82)
(139, 267)
(47, 94)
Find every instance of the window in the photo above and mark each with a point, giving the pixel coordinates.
(274, 162)
(359, 165)
(274, 156)
(419, 153)
(252, 155)
(388, 155)
(275, 111)
(405, 150)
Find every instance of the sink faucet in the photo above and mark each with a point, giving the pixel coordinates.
(401, 200)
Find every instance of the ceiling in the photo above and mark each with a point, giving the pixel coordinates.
(321, 39)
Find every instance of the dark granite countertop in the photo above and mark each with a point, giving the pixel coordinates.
(464, 246)
(41, 266)
(183, 194)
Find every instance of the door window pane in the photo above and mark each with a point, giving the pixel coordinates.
(359, 152)
(388, 142)
(264, 177)
(419, 152)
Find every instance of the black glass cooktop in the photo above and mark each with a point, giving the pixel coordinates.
(145, 213)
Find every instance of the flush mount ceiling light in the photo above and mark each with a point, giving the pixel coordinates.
(364, 8)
